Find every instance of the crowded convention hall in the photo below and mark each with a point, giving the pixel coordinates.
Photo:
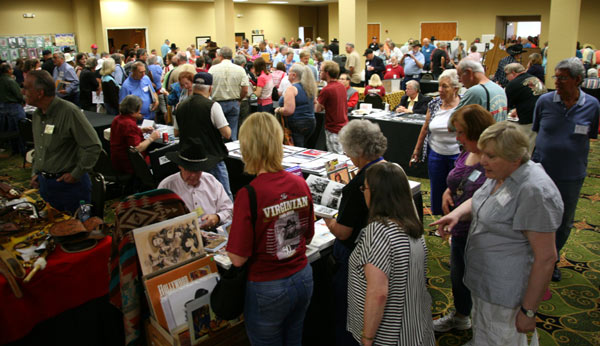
(299, 172)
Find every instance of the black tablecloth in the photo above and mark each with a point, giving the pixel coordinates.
(429, 86)
(100, 122)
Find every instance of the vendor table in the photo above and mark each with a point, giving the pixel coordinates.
(69, 281)
(393, 98)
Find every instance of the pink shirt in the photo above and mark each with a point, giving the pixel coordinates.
(265, 81)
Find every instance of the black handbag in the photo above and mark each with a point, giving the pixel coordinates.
(227, 298)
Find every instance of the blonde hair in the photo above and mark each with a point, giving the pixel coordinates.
(509, 142)
(108, 66)
(375, 80)
(261, 143)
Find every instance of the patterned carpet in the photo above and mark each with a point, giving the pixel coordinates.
(570, 317)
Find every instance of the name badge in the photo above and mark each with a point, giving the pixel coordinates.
(474, 175)
(581, 129)
(503, 197)
(49, 129)
(389, 69)
(199, 211)
(145, 89)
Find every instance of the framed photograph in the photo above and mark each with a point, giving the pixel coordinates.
(23, 53)
(39, 41)
(201, 41)
(14, 54)
(30, 41)
(340, 176)
(257, 38)
(32, 53)
(165, 244)
(3, 42)
(12, 42)
(4, 54)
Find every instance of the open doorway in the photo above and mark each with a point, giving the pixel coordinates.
(125, 39)
(516, 29)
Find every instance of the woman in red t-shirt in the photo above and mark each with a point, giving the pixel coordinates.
(375, 86)
(125, 133)
(280, 284)
(264, 86)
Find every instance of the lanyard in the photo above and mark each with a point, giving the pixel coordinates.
(372, 163)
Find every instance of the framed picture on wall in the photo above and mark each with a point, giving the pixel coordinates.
(201, 41)
(257, 38)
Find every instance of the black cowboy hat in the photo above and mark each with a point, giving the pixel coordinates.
(192, 157)
(515, 49)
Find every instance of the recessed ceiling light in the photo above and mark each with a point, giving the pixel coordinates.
(240, 0)
(278, 2)
(314, 0)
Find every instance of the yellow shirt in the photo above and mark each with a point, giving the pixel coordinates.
(228, 80)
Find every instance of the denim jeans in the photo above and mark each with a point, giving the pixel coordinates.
(64, 196)
(10, 115)
(569, 191)
(438, 167)
(220, 172)
(301, 129)
(274, 311)
(462, 295)
(266, 108)
(231, 109)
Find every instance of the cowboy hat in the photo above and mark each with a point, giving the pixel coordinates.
(515, 49)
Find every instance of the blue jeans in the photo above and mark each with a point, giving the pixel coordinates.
(301, 129)
(438, 166)
(266, 108)
(220, 172)
(462, 295)
(569, 191)
(231, 109)
(340, 289)
(10, 115)
(64, 196)
(274, 311)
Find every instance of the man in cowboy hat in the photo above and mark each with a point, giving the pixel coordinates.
(199, 190)
(374, 45)
(413, 62)
(334, 47)
(514, 55)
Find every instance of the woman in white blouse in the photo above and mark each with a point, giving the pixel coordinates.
(388, 301)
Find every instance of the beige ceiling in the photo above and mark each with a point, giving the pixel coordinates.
(289, 2)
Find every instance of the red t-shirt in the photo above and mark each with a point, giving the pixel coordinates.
(390, 71)
(276, 248)
(380, 90)
(333, 98)
(124, 133)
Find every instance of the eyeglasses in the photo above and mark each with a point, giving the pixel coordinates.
(363, 188)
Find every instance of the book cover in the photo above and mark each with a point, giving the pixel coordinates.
(325, 193)
(174, 304)
(295, 170)
(201, 320)
(21, 42)
(30, 41)
(4, 54)
(323, 238)
(32, 53)
(23, 53)
(3, 42)
(14, 54)
(161, 285)
(39, 41)
(341, 175)
(12, 42)
(167, 243)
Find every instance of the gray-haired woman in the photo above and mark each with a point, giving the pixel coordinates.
(510, 254)
(365, 144)
(297, 104)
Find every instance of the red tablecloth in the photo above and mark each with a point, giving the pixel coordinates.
(69, 280)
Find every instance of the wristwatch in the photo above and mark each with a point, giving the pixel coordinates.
(528, 313)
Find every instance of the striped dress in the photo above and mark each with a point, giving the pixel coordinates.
(407, 314)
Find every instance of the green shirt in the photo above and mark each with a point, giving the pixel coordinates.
(9, 90)
(65, 141)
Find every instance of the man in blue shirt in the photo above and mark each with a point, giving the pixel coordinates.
(139, 84)
(67, 83)
(165, 48)
(565, 120)
(427, 49)
(413, 63)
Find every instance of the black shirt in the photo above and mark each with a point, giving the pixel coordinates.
(377, 63)
(353, 210)
(334, 48)
(436, 61)
(87, 84)
(520, 95)
(48, 65)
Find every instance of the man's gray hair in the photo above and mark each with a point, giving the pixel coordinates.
(392, 44)
(282, 49)
(452, 76)
(363, 139)
(136, 65)
(226, 53)
(351, 45)
(91, 63)
(574, 65)
(514, 67)
(468, 64)
(152, 60)
(131, 104)
(60, 55)
(43, 81)
(239, 60)
(592, 73)
(415, 85)
(201, 87)
(117, 58)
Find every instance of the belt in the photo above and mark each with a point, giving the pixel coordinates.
(228, 100)
(51, 175)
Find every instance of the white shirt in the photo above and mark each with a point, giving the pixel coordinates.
(441, 140)
(285, 83)
(217, 117)
(209, 197)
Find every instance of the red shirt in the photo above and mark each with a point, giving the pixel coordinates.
(390, 71)
(276, 248)
(380, 90)
(124, 133)
(333, 99)
(353, 100)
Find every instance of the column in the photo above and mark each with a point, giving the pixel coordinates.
(353, 24)
(86, 23)
(224, 22)
(562, 34)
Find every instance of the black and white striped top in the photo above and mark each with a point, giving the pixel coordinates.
(407, 314)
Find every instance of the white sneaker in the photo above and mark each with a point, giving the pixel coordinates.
(451, 321)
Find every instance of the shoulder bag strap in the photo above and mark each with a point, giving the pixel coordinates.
(487, 93)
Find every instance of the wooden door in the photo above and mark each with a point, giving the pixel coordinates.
(441, 31)
(239, 37)
(373, 31)
(308, 32)
(129, 37)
